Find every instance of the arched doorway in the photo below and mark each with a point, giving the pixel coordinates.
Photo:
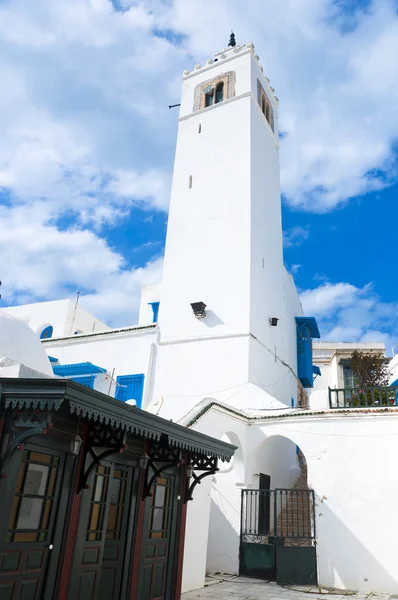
(277, 540)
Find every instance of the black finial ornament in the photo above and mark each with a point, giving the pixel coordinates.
(232, 41)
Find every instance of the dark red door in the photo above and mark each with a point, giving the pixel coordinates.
(27, 551)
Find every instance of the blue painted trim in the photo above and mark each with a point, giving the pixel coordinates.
(316, 370)
(394, 383)
(311, 323)
(130, 387)
(155, 309)
(85, 368)
(52, 359)
(47, 333)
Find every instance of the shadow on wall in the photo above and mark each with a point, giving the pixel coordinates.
(344, 562)
(212, 320)
(223, 544)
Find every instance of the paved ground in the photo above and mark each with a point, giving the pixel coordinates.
(242, 588)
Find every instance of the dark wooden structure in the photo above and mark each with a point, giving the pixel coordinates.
(93, 494)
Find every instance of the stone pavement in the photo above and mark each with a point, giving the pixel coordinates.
(242, 588)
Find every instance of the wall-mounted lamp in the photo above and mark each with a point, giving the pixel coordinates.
(75, 445)
(199, 309)
(189, 471)
(143, 461)
(273, 321)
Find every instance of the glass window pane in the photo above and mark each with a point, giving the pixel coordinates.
(157, 519)
(95, 513)
(115, 491)
(219, 93)
(36, 480)
(112, 517)
(99, 486)
(160, 495)
(30, 513)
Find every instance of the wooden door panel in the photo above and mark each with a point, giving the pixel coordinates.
(159, 540)
(32, 508)
(101, 540)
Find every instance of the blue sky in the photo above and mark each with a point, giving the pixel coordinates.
(87, 147)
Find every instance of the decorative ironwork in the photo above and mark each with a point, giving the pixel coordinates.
(202, 463)
(208, 464)
(161, 451)
(114, 441)
(22, 425)
(357, 397)
(281, 517)
(67, 396)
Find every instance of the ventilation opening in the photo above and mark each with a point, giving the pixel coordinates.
(190, 182)
(200, 128)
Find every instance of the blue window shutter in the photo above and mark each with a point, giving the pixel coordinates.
(155, 309)
(87, 381)
(130, 387)
(47, 333)
(304, 357)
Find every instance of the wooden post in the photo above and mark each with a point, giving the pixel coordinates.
(137, 543)
(71, 521)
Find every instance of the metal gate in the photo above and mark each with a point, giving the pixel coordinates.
(277, 540)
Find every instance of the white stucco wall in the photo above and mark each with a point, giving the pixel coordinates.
(18, 344)
(63, 315)
(351, 466)
(351, 462)
(220, 506)
(195, 550)
(149, 293)
(127, 353)
(224, 248)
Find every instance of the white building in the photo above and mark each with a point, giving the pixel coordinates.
(223, 347)
(57, 318)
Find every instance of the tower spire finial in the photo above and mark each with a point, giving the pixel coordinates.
(232, 41)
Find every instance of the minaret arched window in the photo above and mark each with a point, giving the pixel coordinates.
(266, 109)
(219, 92)
(209, 96)
(268, 113)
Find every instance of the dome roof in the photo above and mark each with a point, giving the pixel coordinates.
(19, 343)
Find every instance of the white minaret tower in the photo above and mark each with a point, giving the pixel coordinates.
(224, 246)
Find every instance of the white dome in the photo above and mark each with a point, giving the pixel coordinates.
(19, 343)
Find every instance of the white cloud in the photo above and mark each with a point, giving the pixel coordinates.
(39, 261)
(346, 313)
(85, 131)
(295, 236)
(294, 269)
(338, 90)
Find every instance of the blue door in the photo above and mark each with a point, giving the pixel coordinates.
(130, 387)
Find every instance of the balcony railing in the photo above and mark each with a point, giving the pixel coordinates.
(363, 396)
